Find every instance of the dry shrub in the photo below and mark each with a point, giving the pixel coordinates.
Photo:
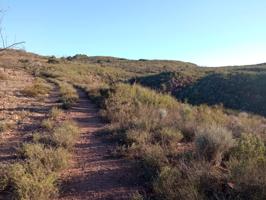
(38, 88)
(247, 167)
(150, 125)
(65, 135)
(137, 137)
(3, 126)
(212, 142)
(172, 184)
(68, 94)
(168, 136)
(55, 113)
(137, 196)
(52, 159)
(30, 180)
(152, 161)
(48, 124)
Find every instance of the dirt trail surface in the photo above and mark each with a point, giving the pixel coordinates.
(95, 174)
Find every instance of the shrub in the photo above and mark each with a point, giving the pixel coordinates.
(55, 113)
(68, 95)
(29, 180)
(212, 142)
(3, 126)
(36, 177)
(149, 125)
(171, 184)
(48, 124)
(65, 135)
(168, 136)
(52, 60)
(249, 146)
(52, 159)
(137, 137)
(247, 166)
(152, 161)
(43, 138)
(38, 88)
(137, 196)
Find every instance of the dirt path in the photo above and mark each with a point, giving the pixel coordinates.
(95, 175)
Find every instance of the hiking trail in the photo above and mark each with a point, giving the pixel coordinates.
(95, 174)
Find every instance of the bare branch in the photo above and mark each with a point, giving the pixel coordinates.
(12, 45)
(5, 44)
(2, 38)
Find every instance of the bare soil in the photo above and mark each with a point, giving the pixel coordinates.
(95, 174)
(21, 114)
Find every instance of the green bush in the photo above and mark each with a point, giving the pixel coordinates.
(212, 142)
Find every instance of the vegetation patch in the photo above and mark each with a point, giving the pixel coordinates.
(184, 151)
(36, 175)
(3, 126)
(68, 94)
(65, 135)
(53, 159)
(29, 180)
(38, 88)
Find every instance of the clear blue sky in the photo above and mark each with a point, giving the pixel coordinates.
(206, 32)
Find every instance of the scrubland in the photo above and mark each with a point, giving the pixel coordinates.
(193, 132)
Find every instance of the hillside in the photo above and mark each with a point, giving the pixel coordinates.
(235, 87)
(83, 124)
(240, 87)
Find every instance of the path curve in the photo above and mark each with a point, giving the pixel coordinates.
(95, 174)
